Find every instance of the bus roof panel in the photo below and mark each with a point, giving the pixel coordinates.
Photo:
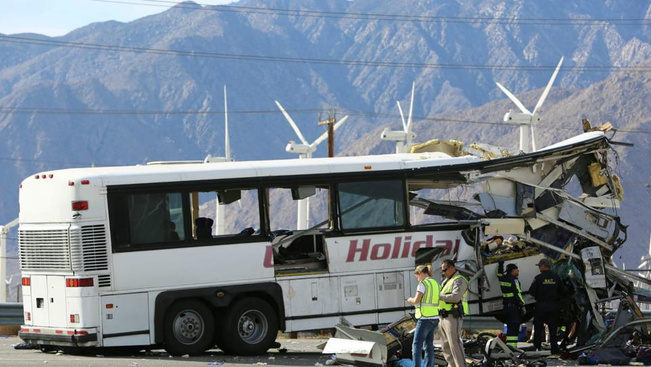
(423, 162)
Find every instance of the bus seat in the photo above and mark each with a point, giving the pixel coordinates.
(203, 228)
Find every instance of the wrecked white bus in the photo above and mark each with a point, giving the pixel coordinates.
(126, 256)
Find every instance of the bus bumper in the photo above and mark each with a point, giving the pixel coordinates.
(59, 336)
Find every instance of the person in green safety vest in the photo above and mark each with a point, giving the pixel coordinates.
(452, 308)
(426, 302)
(512, 301)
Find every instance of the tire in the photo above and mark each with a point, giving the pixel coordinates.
(189, 328)
(250, 327)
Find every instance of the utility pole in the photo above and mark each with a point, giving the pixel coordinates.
(330, 121)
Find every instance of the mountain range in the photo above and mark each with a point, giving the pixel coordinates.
(116, 93)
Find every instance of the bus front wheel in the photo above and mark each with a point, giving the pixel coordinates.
(250, 327)
(189, 328)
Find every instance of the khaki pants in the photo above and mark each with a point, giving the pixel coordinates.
(450, 328)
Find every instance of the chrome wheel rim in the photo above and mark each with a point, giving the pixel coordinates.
(188, 327)
(253, 326)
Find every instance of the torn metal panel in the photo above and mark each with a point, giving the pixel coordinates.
(626, 277)
(577, 232)
(595, 273)
(355, 351)
(554, 175)
(524, 200)
(500, 186)
(602, 202)
(503, 226)
(596, 316)
(492, 202)
(536, 223)
(445, 210)
(588, 220)
(365, 347)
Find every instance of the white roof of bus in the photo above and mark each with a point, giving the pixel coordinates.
(123, 175)
(268, 168)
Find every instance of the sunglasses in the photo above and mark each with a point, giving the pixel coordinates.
(444, 269)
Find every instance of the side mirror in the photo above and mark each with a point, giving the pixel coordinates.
(303, 192)
(228, 196)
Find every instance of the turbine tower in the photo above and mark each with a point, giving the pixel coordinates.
(219, 212)
(526, 119)
(405, 137)
(304, 151)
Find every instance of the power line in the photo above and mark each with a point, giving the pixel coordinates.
(57, 162)
(351, 112)
(444, 119)
(305, 60)
(384, 17)
(65, 111)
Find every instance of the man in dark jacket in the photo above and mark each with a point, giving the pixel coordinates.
(512, 300)
(547, 289)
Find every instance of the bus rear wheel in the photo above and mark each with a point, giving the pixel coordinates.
(189, 328)
(250, 327)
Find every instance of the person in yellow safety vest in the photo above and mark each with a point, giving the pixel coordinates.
(452, 308)
(512, 301)
(426, 302)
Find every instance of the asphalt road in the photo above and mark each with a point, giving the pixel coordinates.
(300, 352)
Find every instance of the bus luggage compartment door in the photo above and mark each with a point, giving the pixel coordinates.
(390, 296)
(357, 296)
(125, 320)
(48, 300)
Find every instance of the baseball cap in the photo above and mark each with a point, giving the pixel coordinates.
(544, 262)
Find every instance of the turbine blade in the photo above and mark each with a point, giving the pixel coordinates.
(340, 122)
(324, 136)
(291, 122)
(514, 99)
(402, 117)
(548, 88)
(411, 107)
(319, 140)
(409, 121)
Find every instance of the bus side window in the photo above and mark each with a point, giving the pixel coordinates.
(285, 204)
(225, 212)
(155, 218)
(372, 204)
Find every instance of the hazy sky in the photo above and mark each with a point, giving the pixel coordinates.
(58, 17)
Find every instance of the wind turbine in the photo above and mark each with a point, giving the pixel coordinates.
(526, 119)
(304, 151)
(405, 137)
